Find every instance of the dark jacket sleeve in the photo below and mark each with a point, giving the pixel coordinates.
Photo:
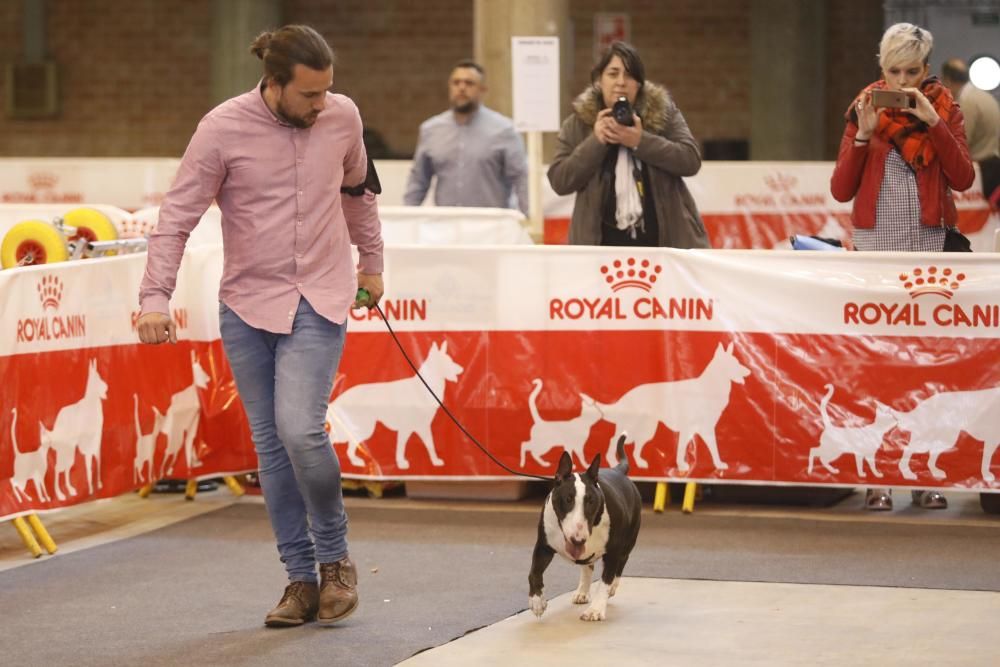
(674, 150)
(578, 157)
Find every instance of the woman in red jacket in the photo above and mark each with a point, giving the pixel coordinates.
(900, 167)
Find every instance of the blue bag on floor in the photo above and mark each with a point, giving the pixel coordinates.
(802, 242)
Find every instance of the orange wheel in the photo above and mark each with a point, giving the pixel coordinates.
(32, 242)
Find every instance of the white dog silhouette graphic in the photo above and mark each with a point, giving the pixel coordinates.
(180, 421)
(936, 423)
(571, 434)
(862, 442)
(403, 406)
(28, 467)
(689, 407)
(79, 426)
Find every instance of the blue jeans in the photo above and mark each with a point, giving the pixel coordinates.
(284, 383)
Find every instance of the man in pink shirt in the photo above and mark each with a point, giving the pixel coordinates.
(286, 164)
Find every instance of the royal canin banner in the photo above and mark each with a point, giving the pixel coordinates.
(762, 204)
(773, 367)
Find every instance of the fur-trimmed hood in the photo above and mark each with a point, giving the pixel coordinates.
(653, 104)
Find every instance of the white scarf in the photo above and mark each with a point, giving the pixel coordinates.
(628, 209)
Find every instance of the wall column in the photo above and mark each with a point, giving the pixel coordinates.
(234, 25)
(788, 78)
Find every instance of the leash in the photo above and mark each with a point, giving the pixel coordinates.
(363, 297)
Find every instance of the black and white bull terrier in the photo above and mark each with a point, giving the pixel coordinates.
(587, 516)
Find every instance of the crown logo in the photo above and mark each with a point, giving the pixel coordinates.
(931, 280)
(50, 290)
(133, 228)
(41, 180)
(631, 273)
(781, 182)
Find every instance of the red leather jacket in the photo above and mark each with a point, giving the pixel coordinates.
(859, 172)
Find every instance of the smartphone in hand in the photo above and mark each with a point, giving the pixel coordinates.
(892, 99)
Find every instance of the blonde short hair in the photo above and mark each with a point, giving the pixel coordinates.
(904, 43)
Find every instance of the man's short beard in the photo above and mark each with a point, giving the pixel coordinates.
(294, 121)
(468, 107)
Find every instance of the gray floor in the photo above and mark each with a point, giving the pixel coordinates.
(195, 592)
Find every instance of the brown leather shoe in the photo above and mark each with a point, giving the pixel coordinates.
(297, 606)
(338, 591)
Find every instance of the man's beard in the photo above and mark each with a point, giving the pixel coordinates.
(465, 107)
(303, 122)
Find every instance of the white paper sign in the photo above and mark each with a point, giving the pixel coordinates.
(535, 70)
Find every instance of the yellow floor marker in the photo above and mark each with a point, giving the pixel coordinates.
(43, 535)
(29, 540)
(689, 493)
(191, 489)
(662, 497)
(145, 491)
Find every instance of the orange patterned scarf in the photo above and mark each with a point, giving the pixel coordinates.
(906, 132)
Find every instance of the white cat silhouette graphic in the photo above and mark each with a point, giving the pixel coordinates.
(28, 467)
(936, 423)
(79, 426)
(860, 441)
(689, 407)
(571, 434)
(403, 406)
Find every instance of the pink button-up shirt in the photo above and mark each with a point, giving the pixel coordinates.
(286, 228)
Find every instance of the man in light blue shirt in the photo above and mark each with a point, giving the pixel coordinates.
(475, 153)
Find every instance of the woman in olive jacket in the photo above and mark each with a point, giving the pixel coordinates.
(595, 150)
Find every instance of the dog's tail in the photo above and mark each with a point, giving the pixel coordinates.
(622, 466)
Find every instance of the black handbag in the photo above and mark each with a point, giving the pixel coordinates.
(956, 241)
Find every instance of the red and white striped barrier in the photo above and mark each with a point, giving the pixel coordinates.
(723, 366)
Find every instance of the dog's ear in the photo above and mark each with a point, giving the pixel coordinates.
(565, 468)
(594, 466)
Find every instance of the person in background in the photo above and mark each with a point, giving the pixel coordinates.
(287, 166)
(982, 122)
(900, 167)
(474, 152)
(627, 169)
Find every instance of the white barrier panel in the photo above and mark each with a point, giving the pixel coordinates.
(207, 232)
(722, 366)
(743, 204)
(129, 183)
(452, 225)
(402, 225)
